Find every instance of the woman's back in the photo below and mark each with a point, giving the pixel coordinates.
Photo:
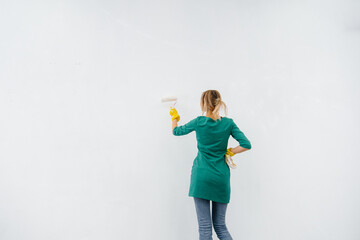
(210, 175)
(212, 136)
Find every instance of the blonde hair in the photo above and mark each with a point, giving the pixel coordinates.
(211, 101)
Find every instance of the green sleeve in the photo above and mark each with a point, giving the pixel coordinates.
(186, 128)
(240, 136)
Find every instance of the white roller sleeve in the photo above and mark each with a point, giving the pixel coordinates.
(168, 99)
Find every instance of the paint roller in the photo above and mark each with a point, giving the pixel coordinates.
(169, 99)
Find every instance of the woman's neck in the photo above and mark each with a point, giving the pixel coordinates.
(210, 115)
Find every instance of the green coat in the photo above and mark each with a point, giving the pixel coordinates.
(210, 175)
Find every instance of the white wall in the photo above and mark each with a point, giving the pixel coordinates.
(87, 150)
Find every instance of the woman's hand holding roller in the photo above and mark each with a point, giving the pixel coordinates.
(174, 114)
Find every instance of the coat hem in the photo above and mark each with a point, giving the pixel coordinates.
(207, 198)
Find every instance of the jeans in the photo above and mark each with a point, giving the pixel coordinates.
(205, 221)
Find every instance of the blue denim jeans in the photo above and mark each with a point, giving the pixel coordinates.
(206, 221)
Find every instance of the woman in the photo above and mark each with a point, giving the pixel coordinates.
(210, 174)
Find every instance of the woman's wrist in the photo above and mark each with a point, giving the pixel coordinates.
(174, 123)
(238, 149)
